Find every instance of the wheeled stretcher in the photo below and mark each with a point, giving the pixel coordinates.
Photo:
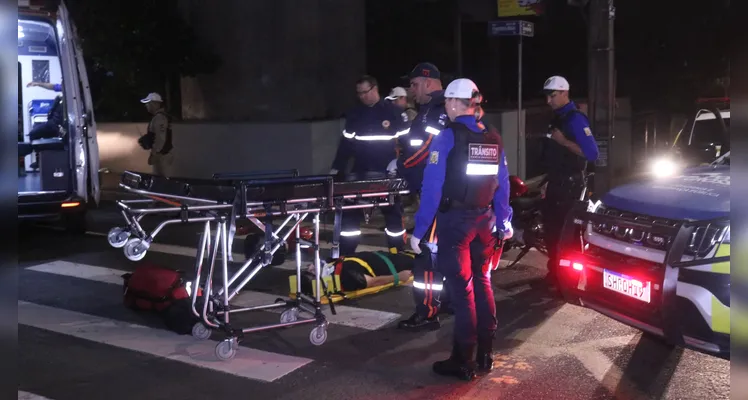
(262, 200)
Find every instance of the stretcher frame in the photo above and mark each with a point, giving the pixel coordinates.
(214, 313)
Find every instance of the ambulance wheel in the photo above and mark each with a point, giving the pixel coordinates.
(135, 249)
(200, 331)
(290, 315)
(117, 237)
(318, 336)
(226, 350)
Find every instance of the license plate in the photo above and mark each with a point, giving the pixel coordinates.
(627, 285)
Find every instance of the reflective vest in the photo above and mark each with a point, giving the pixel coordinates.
(472, 168)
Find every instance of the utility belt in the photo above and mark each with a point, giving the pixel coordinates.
(452, 204)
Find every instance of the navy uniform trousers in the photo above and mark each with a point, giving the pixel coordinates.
(466, 245)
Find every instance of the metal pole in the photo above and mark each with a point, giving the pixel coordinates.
(520, 138)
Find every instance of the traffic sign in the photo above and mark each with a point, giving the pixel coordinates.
(511, 28)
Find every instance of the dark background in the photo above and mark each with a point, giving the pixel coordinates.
(668, 52)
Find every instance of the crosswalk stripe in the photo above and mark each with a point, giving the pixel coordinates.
(354, 317)
(248, 363)
(348, 316)
(30, 396)
(238, 257)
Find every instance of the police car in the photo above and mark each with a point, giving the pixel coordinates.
(655, 255)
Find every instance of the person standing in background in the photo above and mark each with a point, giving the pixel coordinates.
(158, 139)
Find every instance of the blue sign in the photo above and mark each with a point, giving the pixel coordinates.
(511, 28)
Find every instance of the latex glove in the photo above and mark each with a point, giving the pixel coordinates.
(333, 171)
(508, 230)
(392, 167)
(415, 244)
(543, 188)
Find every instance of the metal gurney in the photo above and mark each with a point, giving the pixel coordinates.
(289, 200)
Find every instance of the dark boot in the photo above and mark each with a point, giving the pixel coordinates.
(484, 354)
(419, 322)
(460, 363)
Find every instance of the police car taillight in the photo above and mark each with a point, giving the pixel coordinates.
(569, 263)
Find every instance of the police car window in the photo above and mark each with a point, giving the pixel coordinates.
(707, 130)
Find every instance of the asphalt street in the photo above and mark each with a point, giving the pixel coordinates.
(78, 341)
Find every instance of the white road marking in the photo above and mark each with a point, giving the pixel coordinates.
(248, 363)
(349, 316)
(30, 396)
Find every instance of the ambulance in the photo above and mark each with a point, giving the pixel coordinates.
(58, 156)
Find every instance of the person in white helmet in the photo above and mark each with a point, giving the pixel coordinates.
(158, 139)
(570, 146)
(466, 189)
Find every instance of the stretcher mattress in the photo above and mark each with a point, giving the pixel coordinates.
(266, 190)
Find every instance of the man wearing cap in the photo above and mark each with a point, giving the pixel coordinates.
(569, 147)
(399, 97)
(426, 87)
(429, 292)
(371, 129)
(158, 139)
(466, 190)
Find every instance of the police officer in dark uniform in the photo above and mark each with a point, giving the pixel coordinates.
(570, 145)
(429, 292)
(369, 137)
(467, 181)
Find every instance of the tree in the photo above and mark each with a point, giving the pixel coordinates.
(133, 47)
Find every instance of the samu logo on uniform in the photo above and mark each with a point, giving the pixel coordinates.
(483, 153)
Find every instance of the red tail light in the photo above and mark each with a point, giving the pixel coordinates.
(569, 263)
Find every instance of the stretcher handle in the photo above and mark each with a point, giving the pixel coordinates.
(258, 174)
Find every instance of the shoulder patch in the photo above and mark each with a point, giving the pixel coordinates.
(443, 119)
(386, 124)
(434, 158)
(405, 116)
(587, 131)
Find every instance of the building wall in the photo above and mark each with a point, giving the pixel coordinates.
(283, 60)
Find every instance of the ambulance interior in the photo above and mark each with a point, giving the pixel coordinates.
(44, 159)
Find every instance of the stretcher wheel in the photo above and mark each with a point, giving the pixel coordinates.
(290, 315)
(117, 237)
(226, 350)
(318, 336)
(200, 331)
(135, 249)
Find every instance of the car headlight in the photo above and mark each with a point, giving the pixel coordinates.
(664, 167)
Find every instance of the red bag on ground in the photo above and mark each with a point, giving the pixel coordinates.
(154, 288)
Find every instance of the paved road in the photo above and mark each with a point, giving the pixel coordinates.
(79, 342)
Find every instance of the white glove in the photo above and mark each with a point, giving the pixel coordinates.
(333, 171)
(507, 229)
(415, 244)
(392, 166)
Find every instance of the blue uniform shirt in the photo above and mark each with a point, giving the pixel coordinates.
(435, 173)
(578, 125)
(369, 137)
(431, 119)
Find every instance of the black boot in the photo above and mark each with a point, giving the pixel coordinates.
(419, 322)
(484, 354)
(460, 363)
